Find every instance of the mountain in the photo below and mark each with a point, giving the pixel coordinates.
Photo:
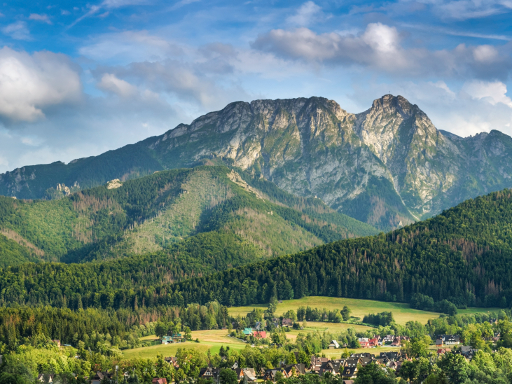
(209, 209)
(463, 255)
(387, 166)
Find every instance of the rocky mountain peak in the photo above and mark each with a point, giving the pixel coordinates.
(390, 104)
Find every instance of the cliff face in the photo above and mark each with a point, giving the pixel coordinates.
(387, 166)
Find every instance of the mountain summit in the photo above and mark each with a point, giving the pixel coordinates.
(387, 166)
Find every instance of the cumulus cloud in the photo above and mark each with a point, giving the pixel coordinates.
(494, 92)
(42, 18)
(17, 31)
(31, 83)
(381, 47)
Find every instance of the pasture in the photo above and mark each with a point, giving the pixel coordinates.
(401, 311)
(212, 340)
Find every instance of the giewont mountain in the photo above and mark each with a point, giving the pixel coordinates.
(387, 166)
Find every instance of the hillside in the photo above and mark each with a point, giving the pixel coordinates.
(158, 212)
(463, 255)
(388, 166)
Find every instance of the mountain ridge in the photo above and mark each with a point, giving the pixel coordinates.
(387, 166)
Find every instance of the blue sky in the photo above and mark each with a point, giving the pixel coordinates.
(79, 78)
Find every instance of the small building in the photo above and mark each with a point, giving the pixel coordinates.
(270, 374)
(167, 340)
(209, 373)
(173, 361)
(247, 331)
(57, 342)
(334, 345)
(99, 376)
(249, 374)
(287, 322)
(349, 372)
(46, 377)
(157, 380)
(260, 334)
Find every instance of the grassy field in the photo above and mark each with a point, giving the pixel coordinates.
(401, 311)
(212, 340)
(313, 326)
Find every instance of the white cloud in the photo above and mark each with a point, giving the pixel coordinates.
(111, 83)
(42, 18)
(305, 15)
(493, 92)
(17, 31)
(30, 83)
(380, 47)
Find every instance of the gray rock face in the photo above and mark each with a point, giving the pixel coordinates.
(387, 166)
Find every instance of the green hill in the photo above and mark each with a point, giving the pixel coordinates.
(158, 212)
(463, 255)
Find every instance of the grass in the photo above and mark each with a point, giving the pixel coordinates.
(212, 340)
(313, 326)
(402, 313)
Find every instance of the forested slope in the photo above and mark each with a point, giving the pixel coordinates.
(463, 255)
(156, 212)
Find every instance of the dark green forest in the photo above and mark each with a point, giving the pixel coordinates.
(462, 255)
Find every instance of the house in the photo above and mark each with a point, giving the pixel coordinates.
(287, 322)
(372, 343)
(334, 345)
(467, 351)
(239, 373)
(247, 331)
(349, 372)
(270, 374)
(258, 326)
(348, 381)
(442, 351)
(249, 374)
(209, 373)
(361, 355)
(46, 377)
(173, 361)
(177, 338)
(167, 339)
(389, 355)
(396, 342)
(99, 376)
(448, 340)
(439, 342)
(157, 380)
(366, 360)
(388, 339)
(260, 334)
(331, 367)
(352, 362)
(299, 369)
(316, 363)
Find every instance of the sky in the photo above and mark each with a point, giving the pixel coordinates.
(83, 77)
